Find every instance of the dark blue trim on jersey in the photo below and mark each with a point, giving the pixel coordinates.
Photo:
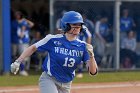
(6, 35)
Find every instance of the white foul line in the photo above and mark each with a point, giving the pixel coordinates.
(19, 90)
(105, 86)
(74, 87)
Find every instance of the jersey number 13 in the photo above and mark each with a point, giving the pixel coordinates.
(71, 60)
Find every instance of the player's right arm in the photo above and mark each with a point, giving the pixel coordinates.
(37, 46)
(28, 52)
(41, 45)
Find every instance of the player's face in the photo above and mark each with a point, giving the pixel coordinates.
(75, 28)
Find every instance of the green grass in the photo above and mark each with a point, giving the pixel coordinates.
(110, 77)
(101, 77)
(18, 80)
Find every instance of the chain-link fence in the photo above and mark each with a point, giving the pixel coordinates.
(111, 50)
(93, 11)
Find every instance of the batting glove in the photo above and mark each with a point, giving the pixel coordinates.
(90, 50)
(15, 67)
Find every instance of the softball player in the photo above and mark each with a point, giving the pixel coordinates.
(65, 52)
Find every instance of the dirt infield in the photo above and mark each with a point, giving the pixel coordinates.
(122, 87)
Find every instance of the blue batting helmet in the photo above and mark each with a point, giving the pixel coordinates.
(70, 17)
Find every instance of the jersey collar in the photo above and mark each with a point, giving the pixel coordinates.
(74, 42)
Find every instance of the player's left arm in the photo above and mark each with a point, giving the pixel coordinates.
(91, 64)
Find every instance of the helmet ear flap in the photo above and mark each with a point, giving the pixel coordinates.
(67, 27)
(64, 27)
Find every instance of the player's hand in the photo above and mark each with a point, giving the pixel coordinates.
(90, 49)
(15, 67)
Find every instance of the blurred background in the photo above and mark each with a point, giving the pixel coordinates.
(114, 26)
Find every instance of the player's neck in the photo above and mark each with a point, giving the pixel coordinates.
(70, 37)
